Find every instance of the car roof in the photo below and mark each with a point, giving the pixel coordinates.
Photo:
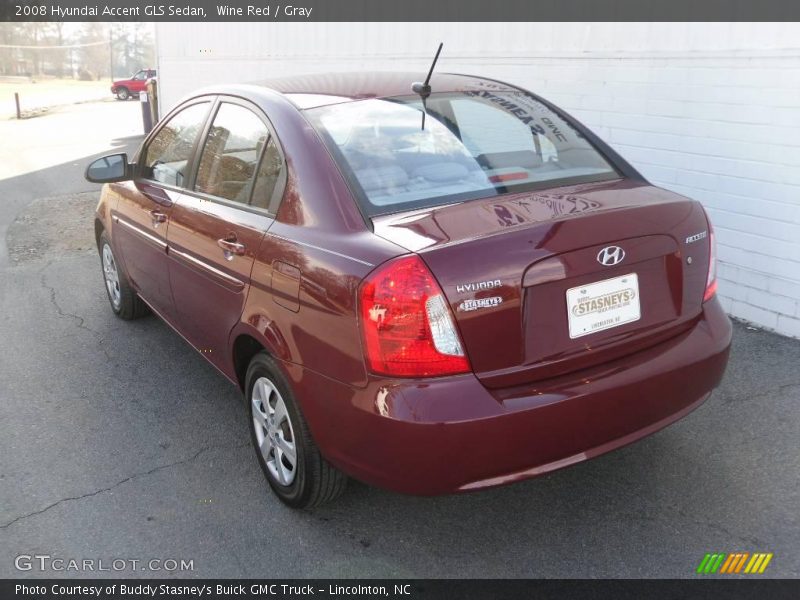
(308, 91)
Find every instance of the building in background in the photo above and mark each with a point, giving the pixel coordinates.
(709, 110)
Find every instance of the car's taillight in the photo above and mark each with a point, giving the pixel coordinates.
(711, 278)
(407, 325)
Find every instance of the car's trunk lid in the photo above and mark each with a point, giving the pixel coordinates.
(506, 265)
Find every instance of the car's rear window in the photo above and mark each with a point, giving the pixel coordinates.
(474, 144)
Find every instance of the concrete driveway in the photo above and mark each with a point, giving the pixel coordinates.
(118, 441)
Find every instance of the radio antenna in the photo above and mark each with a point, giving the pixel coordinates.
(424, 89)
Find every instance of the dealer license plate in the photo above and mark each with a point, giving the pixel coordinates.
(603, 305)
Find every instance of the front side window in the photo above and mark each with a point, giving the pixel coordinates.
(474, 144)
(167, 156)
(140, 76)
(230, 154)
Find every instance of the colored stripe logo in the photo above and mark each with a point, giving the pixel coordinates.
(735, 563)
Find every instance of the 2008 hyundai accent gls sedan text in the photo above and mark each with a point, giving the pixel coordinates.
(431, 291)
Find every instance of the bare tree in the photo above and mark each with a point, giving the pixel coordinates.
(41, 48)
(95, 59)
(9, 36)
(57, 56)
(133, 47)
(33, 48)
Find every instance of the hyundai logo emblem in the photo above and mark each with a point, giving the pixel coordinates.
(610, 256)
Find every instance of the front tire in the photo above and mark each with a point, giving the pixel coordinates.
(289, 458)
(123, 94)
(123, 299)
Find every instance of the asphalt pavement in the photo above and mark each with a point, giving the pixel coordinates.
(118, 441)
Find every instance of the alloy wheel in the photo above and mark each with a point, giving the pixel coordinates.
(111, 276)
(274, 431)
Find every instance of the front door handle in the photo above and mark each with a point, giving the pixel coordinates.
(231, 246)
(158, 217)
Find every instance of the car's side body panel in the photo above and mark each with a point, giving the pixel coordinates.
(209, 284)
(303, 298)
(139, 225)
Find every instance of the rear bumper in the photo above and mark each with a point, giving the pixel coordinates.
(452, 434)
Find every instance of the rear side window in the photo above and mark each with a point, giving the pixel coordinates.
(167, 154)
(230, 153)
(474, 144)
(269, 172)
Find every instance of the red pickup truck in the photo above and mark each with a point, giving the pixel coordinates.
(125, 88)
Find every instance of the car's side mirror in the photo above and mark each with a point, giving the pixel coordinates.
(109, 169)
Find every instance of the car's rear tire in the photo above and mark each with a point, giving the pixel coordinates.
(124, 301)
(123, 94)
(291, 461)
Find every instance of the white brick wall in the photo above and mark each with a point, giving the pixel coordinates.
(711, 111)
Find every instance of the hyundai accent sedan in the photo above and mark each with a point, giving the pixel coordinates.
(429, 292)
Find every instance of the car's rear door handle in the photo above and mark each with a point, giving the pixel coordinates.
(158, 217)
(230, 245)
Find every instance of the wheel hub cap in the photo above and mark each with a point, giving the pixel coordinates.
(111, 276)
(274, 432)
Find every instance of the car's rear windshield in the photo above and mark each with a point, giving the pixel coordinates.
(473, 144)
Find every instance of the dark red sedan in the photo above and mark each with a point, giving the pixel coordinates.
(429, 293)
